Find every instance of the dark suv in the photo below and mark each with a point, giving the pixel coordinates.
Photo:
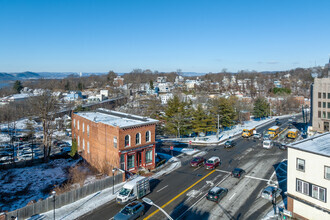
(229, 144)
(216, 194)
(197, 161)
(237, 172)
(131, 211)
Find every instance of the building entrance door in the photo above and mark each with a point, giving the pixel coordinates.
(139, 158)
(326, 126)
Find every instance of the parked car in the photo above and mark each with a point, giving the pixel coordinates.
(237, 172)
(133, 210)
(229, 144)
(216, 194)
(271, 191)
(212, 163)
(278, 123)
(257, 136)
(197, 161)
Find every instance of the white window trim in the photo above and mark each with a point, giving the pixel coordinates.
(87, 146)
(78, 124)
(129, 140)
(88, 130)
(83, 127)
(297, 165)
(139, 138)
(325, 173)
(149, 139)
(83, 144)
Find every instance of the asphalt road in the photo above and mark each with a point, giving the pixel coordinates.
(181, 192)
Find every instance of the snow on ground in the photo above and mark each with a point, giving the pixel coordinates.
(213, 139)
(21, 185)
(187, 151)
(4, 138)
(82, 206)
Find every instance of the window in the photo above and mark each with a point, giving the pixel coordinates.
(148, 136)
(328, 104)
(328, 95)
(78, 125)
(74, 123)
(318, 193)
(327, 172)
(328, 115)
(122, 162)
(83, 125)
(88, 130)
(87, 146)
(83, 144)
(127, 141)
(319, 95)
(149, 156)
(323, 115)
(324, 95)
(300, 164)
(319, 104)
(324, 104)
(302, 187)
(78, 141)
(319, 114)
(115, 142)
(130, 161)
(137, 138)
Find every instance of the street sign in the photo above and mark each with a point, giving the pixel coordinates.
(171, 147)
(190, 142)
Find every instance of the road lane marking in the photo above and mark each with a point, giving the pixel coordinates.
(232, 196)
(162, 188)
(257, 178)
(177, 196)
(224, 171)
(192, 206)
(197, 168)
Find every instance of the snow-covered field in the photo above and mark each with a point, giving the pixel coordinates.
(21, 185)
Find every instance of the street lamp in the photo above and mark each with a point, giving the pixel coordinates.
(54, 193)
(149, 202)
(113, 180)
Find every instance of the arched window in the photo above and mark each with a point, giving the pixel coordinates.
(148, 136)
(127, 141)
(138, 138)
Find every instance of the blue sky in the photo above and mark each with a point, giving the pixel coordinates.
(163, 35)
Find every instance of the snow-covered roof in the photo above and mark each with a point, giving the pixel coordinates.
(115, 118)
(319, 144)
(292, 130)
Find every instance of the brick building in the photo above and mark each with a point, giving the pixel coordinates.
(108, 139)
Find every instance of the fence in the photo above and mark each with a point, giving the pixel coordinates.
(64, 199)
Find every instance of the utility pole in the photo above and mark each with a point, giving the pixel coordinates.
(218, 128)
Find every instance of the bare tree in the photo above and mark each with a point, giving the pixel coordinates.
(45, 107)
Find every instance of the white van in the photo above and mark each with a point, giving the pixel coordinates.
(133, 189)
(268, 144)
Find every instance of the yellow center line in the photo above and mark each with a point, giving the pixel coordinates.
(177, 196)
(280, 132)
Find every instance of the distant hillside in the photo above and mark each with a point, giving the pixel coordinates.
(27, 75)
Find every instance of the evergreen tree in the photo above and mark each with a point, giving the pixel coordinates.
(261, 108)
(177, 117)
(225, 109)
(151, 84)
(18, 86)
(74, 148)
(67, 86)
(202, 122)
(80, 86)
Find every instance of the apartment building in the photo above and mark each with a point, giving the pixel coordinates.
(321, 104)
(108, 139)
(308, 181)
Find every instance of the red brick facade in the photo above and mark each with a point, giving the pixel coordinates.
(98, 146)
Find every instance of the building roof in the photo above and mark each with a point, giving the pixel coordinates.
(319, 144)
(115, 118)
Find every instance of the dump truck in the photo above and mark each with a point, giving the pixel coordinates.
(248, 132)
(133, 189)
